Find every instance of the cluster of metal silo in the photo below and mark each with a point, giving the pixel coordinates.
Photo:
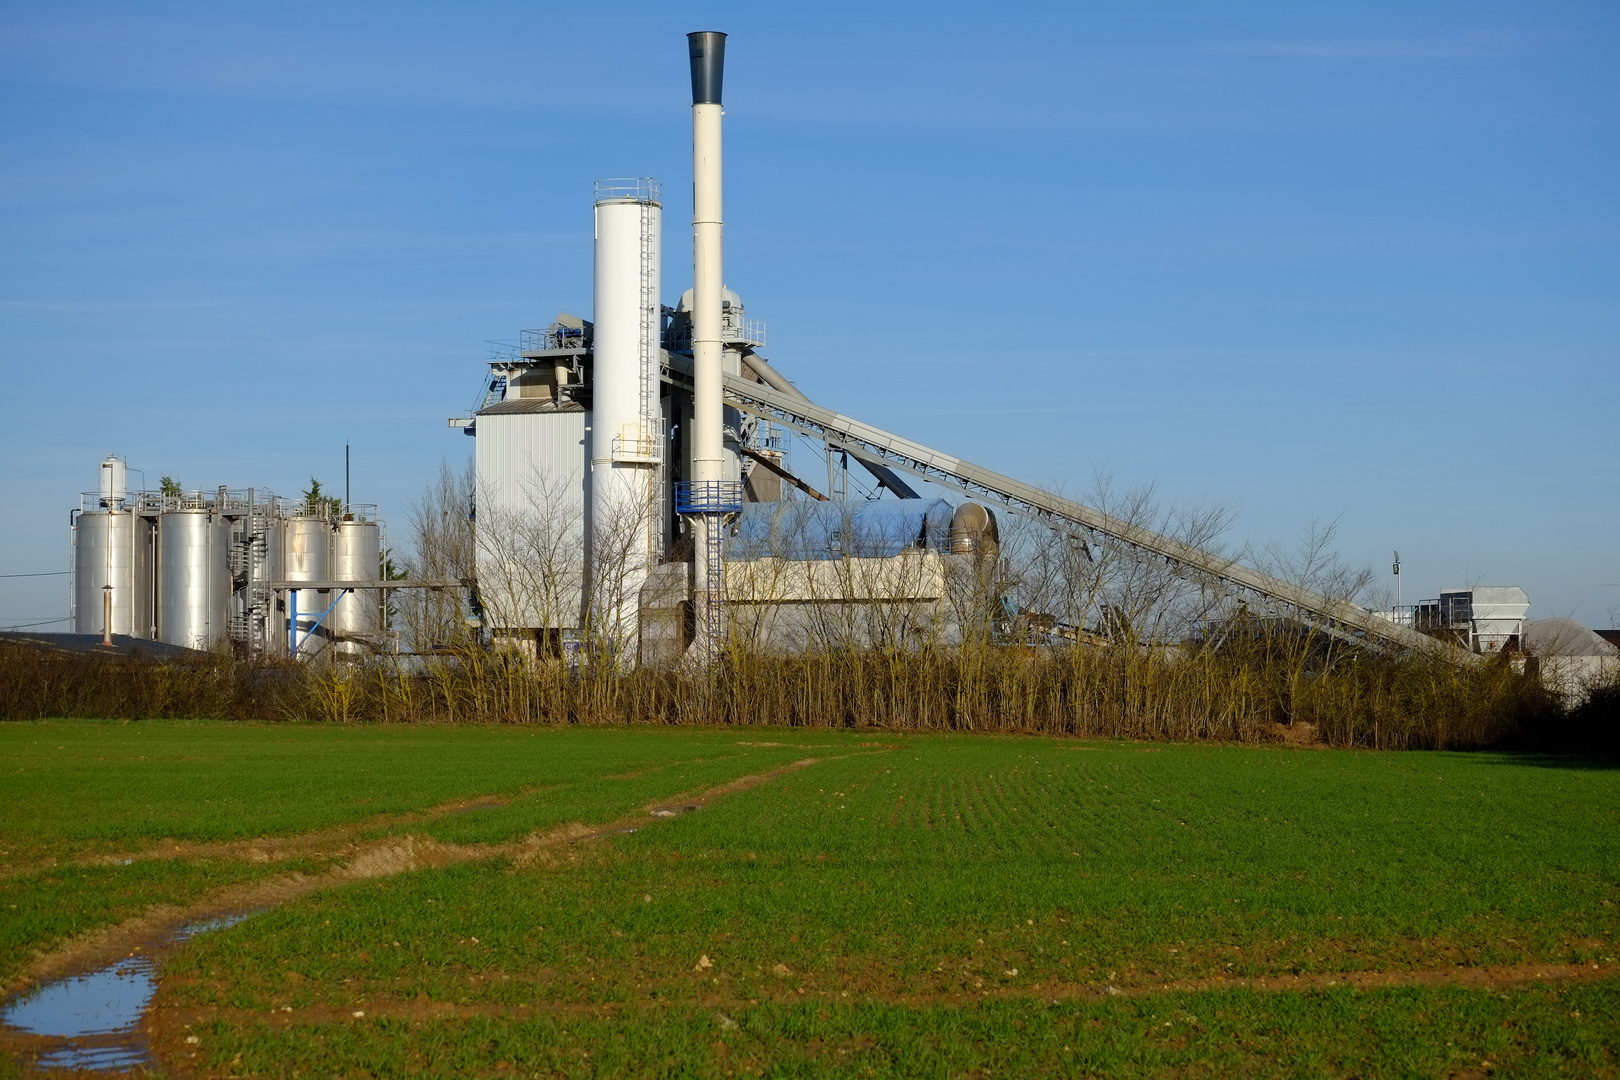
(199, 570)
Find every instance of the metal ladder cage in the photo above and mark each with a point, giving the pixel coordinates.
(713, 501)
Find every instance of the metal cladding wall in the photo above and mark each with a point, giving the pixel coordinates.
(193, 579)
(304, 559)
(356, 550)
(532, 499)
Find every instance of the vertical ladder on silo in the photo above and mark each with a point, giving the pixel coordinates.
(650, 344)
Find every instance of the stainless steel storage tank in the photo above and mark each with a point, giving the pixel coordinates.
(112, 547)
(356, 549)
(193, 578)
(304, 558)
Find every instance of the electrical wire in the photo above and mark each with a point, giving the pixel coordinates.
(43, 573)
(26, 625)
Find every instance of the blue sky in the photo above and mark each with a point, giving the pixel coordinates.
(1315, 261)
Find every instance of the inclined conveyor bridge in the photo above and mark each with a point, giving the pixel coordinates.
(883, 453)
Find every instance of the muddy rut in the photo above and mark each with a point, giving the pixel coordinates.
(362, 862)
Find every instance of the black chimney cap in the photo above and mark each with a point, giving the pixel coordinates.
(708, 65)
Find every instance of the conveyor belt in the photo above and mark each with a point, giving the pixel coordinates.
(1029, 501)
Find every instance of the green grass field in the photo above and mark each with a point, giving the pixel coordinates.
(908, 905)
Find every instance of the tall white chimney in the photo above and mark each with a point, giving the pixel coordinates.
(711, 494)
(708, 50)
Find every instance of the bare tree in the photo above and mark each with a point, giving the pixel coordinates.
(442, 548)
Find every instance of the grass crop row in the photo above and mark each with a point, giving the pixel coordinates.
(71, 785)
(76, 787)
(913, 909)
(1539, 1032)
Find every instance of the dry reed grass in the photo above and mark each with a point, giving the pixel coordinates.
(1171, 657)
(1227, 693)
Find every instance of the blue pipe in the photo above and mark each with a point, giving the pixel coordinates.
(316, 625)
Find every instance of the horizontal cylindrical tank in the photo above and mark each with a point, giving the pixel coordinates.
(356, 550)
(193, 578)
(305, 546)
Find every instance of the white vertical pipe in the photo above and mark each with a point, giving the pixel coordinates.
(708, 51)
(708, 350)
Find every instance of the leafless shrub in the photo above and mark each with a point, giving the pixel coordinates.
(1052, 633)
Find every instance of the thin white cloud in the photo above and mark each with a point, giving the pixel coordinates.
(1470, 49)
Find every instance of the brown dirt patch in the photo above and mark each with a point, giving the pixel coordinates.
(337, 842)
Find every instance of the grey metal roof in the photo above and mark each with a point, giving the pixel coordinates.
(1564, 637)
(518, 406)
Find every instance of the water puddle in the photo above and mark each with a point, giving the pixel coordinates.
(91, 1022)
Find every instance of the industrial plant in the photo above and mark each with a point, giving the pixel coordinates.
(296, 578)
(633, 495)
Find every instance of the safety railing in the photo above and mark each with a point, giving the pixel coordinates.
(732, 332)
(629, 189)
(708, 497)
(646, 446)
(552, 337)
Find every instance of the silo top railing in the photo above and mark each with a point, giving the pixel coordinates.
(630, 189)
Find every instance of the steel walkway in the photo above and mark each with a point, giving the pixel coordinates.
(1026, 500)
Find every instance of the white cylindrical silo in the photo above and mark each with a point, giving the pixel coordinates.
(626, 420)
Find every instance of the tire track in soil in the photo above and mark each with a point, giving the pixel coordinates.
(152, 934)
(379, 858)
(175, 1020)
(337, 841)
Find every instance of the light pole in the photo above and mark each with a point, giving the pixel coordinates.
(1398, 605)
